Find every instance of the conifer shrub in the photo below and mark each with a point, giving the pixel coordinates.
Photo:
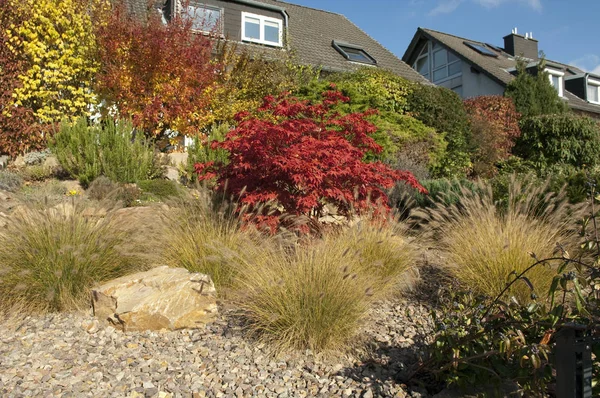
(112, 149)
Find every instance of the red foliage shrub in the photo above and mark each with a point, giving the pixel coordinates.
(155, 74)
(500, 112)
(19, 131)
(302, 156)
(495, 128)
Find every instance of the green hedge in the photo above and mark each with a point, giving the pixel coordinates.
(559, 139)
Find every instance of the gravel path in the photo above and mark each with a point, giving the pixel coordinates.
(67, 355)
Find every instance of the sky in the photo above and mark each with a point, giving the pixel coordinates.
(567, 30)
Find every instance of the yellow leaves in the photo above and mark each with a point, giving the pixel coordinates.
(57, 40)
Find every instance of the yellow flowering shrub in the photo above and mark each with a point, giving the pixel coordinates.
(57, 42)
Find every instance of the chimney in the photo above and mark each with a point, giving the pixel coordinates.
(525, 46)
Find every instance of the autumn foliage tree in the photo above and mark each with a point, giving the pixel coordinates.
(302, 156)
(55, 41)
(19, 131)
(154, 73)
(495, 128)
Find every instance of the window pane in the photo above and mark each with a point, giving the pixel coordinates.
(440, 74)
(356, 55)
(440, 58)
(455, 68)
(271, 32)
(252, 28)
(592, 93)
(423, 65)
(452, 57)
(205, 19)
(555, 81)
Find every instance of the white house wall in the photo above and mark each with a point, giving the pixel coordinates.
(476, 84)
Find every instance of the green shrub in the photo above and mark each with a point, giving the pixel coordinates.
(484, 244)
(160, 189)
(112, 149)
(51, 258)
(567, 138)
(10, 181)
(36, 172)
(404, 139)
(443, 110)
(200, 151)
(532, 92)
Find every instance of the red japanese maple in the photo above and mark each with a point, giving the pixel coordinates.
(302, 156)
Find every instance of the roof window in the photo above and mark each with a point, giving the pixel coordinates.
(481, 49)
(353, 53)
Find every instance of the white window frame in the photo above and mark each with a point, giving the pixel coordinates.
(595, 83)
(560, 76)
(261, 29)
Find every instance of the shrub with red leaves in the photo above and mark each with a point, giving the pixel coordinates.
(155, 74)
(19, 131)
(302, 156)
(495, 128)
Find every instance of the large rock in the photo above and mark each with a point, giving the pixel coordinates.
(162, 298)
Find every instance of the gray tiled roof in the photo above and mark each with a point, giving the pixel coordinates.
(496, 68)
(311, 32)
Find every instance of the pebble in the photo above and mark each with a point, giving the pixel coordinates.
(71, 354)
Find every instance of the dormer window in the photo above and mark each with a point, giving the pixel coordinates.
(205, 18)
(556, 80)
(261, 29)
(353, 53)
(593, 91)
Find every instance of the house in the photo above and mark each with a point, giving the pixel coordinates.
(472, 68)
(318, 38)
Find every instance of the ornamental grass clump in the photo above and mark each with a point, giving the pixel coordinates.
(50, 258)
(317, 295)
(487, 246)
(207, 238)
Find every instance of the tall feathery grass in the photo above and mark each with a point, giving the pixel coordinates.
(318, 295)
(50, 258)
(207, 238)
(487, 246)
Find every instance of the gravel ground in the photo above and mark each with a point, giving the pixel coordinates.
(68, 355)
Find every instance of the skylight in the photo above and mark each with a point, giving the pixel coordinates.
(481, 49)
(353, 53)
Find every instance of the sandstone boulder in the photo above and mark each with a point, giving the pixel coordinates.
(162, 298)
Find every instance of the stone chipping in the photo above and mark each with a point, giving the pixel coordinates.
(72, 355)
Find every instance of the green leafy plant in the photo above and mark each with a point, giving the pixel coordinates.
(202, 151)
(111, 149)
(486, 339)
(160, 189)
(554, 139)
(443, 110)
(51, 258)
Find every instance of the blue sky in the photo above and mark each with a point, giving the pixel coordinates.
(567, 30)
